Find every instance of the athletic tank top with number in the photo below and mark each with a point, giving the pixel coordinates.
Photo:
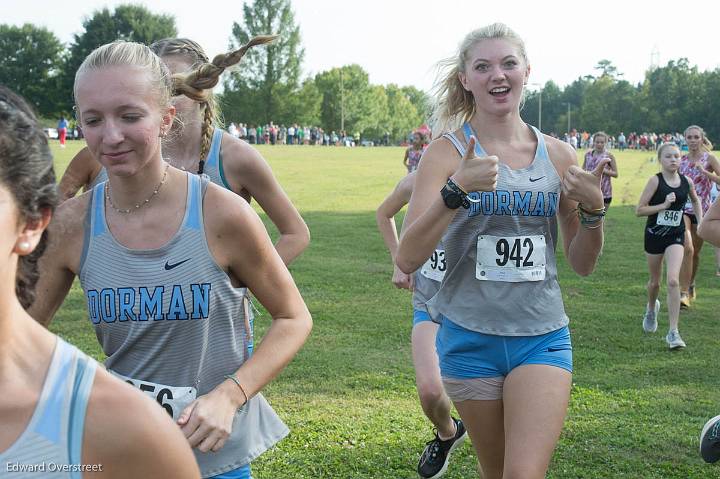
(502, 275)
(668, 222)
(428, 278)
(171, 323)
(54, 436)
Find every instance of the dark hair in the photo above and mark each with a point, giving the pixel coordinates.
(26, 170)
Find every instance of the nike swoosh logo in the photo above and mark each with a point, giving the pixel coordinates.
(169, 266)
(533, 180)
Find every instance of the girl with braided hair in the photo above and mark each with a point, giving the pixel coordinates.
(197, 145)
(163, 257)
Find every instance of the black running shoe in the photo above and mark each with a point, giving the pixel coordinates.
(710, 440)
(436, 456)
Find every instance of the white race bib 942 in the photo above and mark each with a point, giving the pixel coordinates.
(669, 217)
(435, 267)
(513, 258)
(172, 398)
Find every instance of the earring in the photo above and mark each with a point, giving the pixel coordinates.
(24, 246)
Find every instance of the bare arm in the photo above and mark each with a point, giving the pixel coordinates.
(582, 245)
(643, 208)
(385, 214)
(405, 159)
(428, 217)
(385, 217)
(58, 265)
(713, 173)
(81, 171)
(247, 169)
(611, 169)
(145, 441)
(697, 205)
(709, 227)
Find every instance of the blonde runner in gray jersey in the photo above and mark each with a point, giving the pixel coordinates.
(170, 322)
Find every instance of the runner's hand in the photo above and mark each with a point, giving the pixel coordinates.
(584, 186)
(207, 421)
(402, 280)
(669, 199)
(476, 173)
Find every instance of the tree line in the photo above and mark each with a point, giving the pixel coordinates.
(670, 98)
(268, 85)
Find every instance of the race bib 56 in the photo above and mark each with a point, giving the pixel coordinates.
(172, 398)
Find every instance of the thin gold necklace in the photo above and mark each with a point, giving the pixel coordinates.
(126, 211)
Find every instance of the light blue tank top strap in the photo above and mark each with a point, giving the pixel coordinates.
(55, 431)
(213, 156)
(468, 131)
(214, 164)
(84, 376)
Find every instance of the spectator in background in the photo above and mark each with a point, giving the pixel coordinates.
(62, 127)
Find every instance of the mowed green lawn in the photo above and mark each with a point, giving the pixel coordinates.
(349, 396)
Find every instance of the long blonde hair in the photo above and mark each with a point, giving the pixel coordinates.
(197, 84)
(453, 103)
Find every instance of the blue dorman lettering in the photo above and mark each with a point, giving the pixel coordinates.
(515, 203)
(126, 304)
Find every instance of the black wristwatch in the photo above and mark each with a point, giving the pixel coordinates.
(453, 196)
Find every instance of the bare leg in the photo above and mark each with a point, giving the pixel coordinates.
(687, 264)
(485, 425)
(653, 287)
(673, 261)
(697, 243)
(535, 400)
(433, 399)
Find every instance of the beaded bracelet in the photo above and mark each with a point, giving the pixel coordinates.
(236, 381)
(590, 219)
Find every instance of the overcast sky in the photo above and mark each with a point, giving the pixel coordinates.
(399, 41)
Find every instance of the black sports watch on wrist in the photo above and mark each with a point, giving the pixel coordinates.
(453, 196)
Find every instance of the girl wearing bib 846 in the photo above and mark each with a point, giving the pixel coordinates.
(503, 344)
(161, 255)
(662, 201)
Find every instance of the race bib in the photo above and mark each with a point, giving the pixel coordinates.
(172, 398)
(512, 259)
(435, 267)
(669, 217)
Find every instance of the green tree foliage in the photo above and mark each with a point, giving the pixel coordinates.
(345, 92)
(30, 56)
(271, 72)
(127, 22)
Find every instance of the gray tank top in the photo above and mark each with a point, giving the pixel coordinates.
(213, 162)
(152, 313)
(428, 278)
(101, 176)
(54, 435)
(502, 275)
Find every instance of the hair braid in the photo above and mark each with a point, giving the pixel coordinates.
(207, 133)
(198, 83)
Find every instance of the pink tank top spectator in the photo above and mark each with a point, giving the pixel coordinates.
(414, 159)
(703, 184)
(591, 161)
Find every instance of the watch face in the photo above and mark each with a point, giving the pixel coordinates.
(452, 199)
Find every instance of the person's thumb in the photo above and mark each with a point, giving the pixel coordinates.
(470, 149)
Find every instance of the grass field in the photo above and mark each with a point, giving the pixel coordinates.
(349, 396)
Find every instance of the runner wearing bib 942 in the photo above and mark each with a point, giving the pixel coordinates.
(503, 343)
(662, 201)
(424, 283)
